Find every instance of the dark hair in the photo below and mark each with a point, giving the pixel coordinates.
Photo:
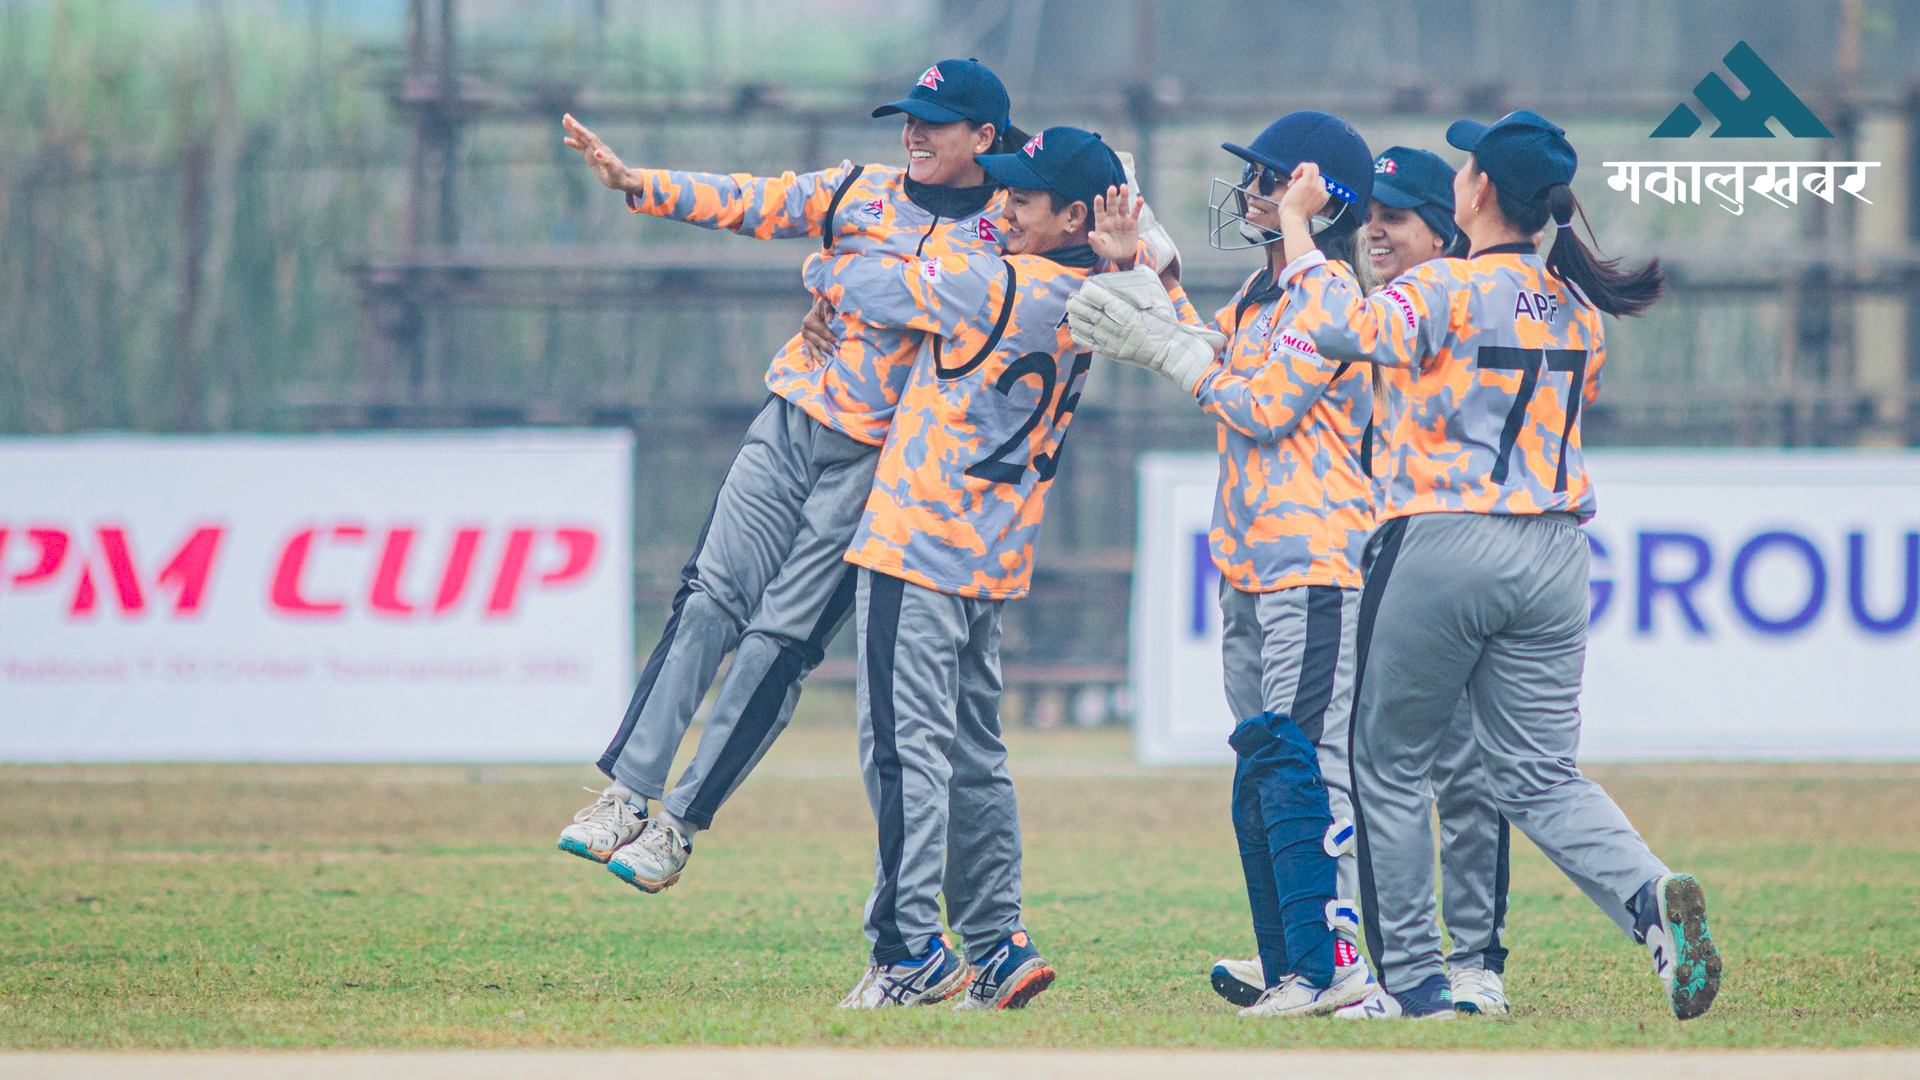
(1612, 289)
(1004, 142)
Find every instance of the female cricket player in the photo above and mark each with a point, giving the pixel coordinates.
(1479, 581)
(1292, 514)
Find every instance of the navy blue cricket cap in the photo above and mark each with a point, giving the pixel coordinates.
(1346, 165)
(1417, 180)
(1074, 163)
(1525, 153)
(955, 90)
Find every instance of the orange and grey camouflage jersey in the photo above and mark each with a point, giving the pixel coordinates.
(1498, 357)
(1293, 506)
(856, 392)
(964, 473)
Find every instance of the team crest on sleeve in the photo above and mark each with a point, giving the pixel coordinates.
(1035, 144)
(931, 78)
(1405, 306)
(986, 232)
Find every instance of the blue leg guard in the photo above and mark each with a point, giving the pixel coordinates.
(1280, 808)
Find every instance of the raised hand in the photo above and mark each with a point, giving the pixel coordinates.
(1115, 236)
(1306, 193)
(605, 163)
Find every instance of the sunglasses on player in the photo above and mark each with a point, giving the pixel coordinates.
(1257, 177)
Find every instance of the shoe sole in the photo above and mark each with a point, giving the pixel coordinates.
(1470, 1009)
(1233, 989)
(625, 873)
(1696, 962)
(575, 847)
(1026, 989)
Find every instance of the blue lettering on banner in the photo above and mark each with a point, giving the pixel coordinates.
(1857, 587)
(1651, 585)
(1599, 589)
(1816, 582)
(1671, 570)
(1206, 577)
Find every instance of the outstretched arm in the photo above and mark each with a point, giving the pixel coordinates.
(764, 207)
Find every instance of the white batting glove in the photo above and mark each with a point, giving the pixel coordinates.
(1159, 242)
(1111, 321)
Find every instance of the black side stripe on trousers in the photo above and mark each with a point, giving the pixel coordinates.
(1319, 662)
(1496, 955)
(755, 726)
(1377, 572)
(883, 630)
(658, 659)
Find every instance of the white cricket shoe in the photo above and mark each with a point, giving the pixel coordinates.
(1478, 991)
(654, 860)
(933, 976)
(1239, 981)
(603, 828)
(1431, 1000)
(1294, 996)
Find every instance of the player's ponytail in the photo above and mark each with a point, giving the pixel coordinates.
(1612, 289)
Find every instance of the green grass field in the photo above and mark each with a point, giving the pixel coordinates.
(414, 907)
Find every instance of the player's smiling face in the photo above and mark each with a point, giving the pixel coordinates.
(1030, 226)
(943, 153)
(1397, 241)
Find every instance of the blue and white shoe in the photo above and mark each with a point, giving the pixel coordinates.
(931, 977)
(1243, 981)
(1239, 981)
(1012, 973)
(1294, 996)
(1431, 1000)
(654, 859)
(598, 831)
(1671, 920)
(1478, 991)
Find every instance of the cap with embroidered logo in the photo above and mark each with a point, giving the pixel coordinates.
(955, 90)
(1418, 180)
(1067, 160)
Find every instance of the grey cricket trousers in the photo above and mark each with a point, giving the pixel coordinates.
(935, 769)
(1493, 606)
(766, 581)
(1292, 652)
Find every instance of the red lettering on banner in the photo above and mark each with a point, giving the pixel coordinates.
(578, 550)
(386, 582)
(513, 566)
(53, 552)
(453, 583)
(287, 598)
(580, 545)
(186, 574)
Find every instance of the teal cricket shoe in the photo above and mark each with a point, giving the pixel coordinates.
(1671, 920)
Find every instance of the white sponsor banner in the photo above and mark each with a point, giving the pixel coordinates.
(1745, 606)
(457, 597)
